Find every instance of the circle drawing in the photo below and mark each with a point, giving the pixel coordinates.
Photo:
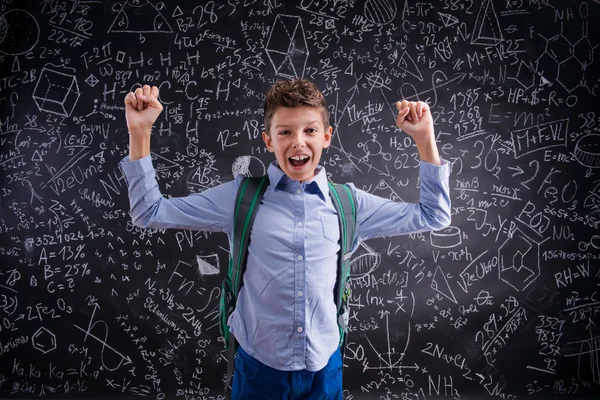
(19, 32)
(380, 12)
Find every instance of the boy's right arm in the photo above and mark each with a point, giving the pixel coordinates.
(210, 210)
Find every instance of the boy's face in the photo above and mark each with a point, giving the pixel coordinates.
(297, 137)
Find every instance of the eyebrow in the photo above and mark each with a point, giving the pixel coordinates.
(308, 123)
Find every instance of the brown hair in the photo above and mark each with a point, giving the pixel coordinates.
(294, 93)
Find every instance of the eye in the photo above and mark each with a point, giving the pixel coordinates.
(284, 132)
(311, 130)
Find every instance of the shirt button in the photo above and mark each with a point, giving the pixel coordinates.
(300, 224)
(300, 293)
(299, 329)
(298, 191)
(300, 258)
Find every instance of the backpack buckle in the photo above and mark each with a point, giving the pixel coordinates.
(344, 318)
(226, 307)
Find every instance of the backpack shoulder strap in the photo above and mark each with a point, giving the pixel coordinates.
(343, 201)
(248, 198)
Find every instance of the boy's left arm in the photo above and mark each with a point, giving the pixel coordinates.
(378, 216)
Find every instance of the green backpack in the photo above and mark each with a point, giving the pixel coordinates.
(248, 198)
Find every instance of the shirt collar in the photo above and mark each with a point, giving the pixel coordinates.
(278, 179)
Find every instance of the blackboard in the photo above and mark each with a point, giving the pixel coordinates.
(502, 304)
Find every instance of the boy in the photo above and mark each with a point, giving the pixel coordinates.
(285, 317)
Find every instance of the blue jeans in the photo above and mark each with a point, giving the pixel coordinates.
(253, 380)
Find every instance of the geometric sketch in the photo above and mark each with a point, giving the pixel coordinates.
(165, 163)
(595, 243)
(364, 261)
(446, 238)
(98, 337)
(519, 260)
(564, 61)
(142, 18)
(56, 92)
(206, 268)
(487, 30)
(376, 81)
(19, 32)
(389, 193)
(243, 164)
(372, 148)
(558, 47)
(448, 20)
(287, 48)
(583, 51)
(380, 12)
(588, 368)
(525, 76)
(43, 340)
(177, 12)
(389, 363)
(408, 64)
(92, 80)
(569, 73)
(440, 284)
(587, 151)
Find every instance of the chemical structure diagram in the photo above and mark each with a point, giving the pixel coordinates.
(564, 61)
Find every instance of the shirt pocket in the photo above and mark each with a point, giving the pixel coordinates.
(331, 227)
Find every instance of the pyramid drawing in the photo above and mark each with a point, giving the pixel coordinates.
(487, 31)
(287, 48)
(140, 18)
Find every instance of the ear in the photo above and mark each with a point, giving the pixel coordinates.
(328, 133)
(268, 142)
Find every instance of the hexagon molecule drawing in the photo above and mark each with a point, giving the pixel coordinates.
(563, 61)
(43, 340)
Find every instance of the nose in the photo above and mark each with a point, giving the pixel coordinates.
(299, 140)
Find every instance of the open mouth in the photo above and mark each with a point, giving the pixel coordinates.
(299, 161)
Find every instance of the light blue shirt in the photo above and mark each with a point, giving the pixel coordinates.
(285, 315)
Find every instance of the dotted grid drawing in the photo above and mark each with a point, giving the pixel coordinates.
(19, 32)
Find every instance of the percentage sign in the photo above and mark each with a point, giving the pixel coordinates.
(85, 270)
(79, 248)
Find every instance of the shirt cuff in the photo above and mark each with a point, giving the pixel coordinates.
(437, 172)
(132, 168)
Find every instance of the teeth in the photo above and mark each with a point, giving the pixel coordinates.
(299, 158)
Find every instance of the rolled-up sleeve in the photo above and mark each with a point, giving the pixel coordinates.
(379, 217)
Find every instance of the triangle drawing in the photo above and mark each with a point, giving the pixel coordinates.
(440, 284)
(139, 18)
(167, 162)
(408, 64)
(208, 268)
(487, 31)
(448, 20)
